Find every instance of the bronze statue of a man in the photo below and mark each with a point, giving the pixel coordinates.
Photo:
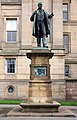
(41, 25)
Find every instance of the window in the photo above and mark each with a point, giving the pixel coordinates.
(66, 70)
(11, 30)
(10, 89)
(65, 11)
(10, 65)
(66, 42)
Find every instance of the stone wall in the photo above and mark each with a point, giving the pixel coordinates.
(70, 27)
(71, 90)
(25, 42)
(18, 81)
(20, 89)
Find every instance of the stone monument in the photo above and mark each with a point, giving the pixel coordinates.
(40, 93)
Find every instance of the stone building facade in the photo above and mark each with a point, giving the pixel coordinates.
(16, 40)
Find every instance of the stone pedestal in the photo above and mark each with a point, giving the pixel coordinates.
(40, 93)
(40, 83)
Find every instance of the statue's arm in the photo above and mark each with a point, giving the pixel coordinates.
(50, 15)
(32, 16)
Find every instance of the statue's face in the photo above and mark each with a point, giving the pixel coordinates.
(39, 6)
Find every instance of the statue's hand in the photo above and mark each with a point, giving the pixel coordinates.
(52, 14)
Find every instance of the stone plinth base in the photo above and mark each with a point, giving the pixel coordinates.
(40, 91)
(40, 107)
(62, 112)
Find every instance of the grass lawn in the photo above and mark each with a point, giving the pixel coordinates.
(67, 103)
(63, 103)
(11, 101)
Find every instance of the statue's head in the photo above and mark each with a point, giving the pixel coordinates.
(40, 5)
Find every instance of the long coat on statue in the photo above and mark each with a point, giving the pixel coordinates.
(45, 22)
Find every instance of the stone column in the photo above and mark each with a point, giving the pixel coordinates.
(57, 24)
(26, 24)
(1, 34)
(57, 70)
